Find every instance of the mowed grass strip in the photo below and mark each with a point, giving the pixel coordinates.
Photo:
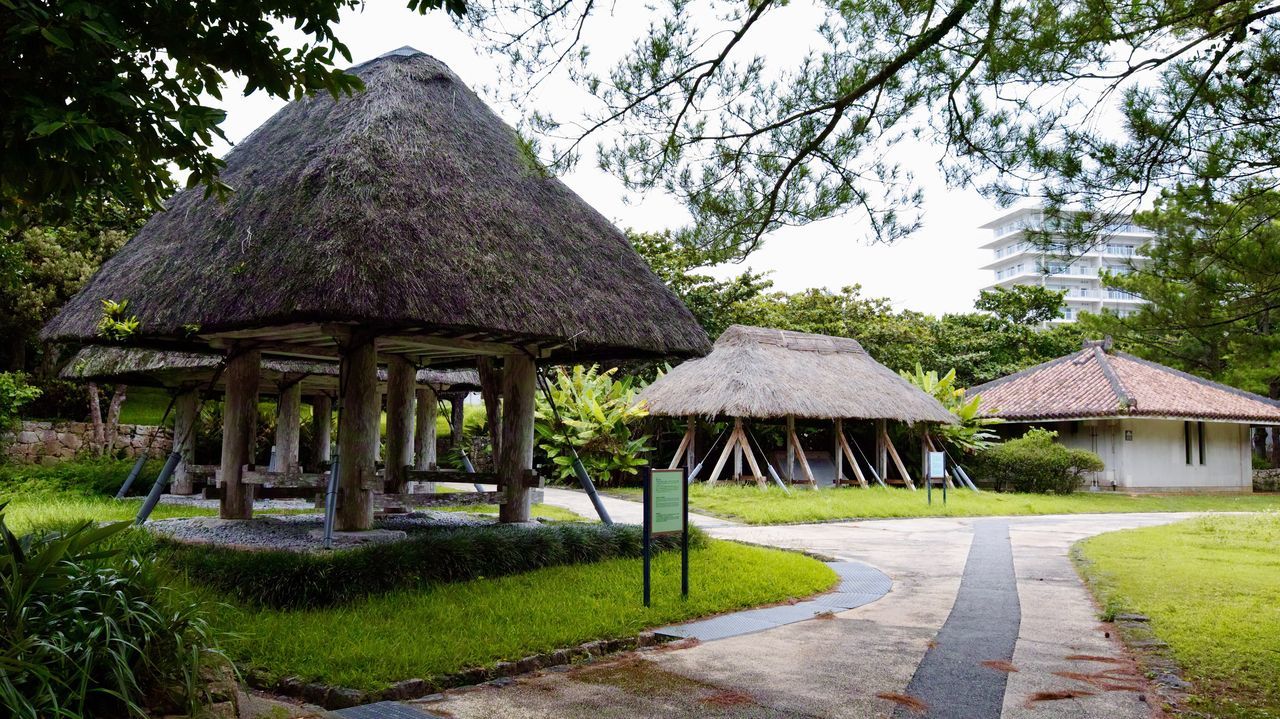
(1211, 587)
(373, 643)
(749, 504)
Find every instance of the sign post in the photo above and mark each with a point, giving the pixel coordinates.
(666, 511)
(937, 470)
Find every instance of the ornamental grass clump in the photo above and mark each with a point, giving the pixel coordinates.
(303, 580)
(87, 629)
(1036, 463)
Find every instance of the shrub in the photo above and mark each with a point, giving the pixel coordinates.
(297, 580)
(14, 393)
(84, 637)
(86, 477)
(596, 416)
(1036, 463)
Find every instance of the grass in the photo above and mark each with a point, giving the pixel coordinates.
(144, 405)
(1211, 587)
(373, 643)
(770, 506)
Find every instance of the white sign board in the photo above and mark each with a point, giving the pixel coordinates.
(937, 465)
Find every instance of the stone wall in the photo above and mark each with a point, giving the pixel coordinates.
(1266, 480)
(51, 442)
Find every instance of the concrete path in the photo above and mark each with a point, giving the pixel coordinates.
(910, 654)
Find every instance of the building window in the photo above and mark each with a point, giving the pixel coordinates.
(1186, 439)
(1200, 435)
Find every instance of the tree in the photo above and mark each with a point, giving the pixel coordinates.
(1093, 102)
(1022, 304)
(713, 302)
(1212, 291)
(99, 99)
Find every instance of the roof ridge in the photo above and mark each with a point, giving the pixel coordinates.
(1125, 399)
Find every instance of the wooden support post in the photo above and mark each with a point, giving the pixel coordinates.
(490, 392)
(455, 421)
(401, 382)
(288, 423)
(239, 418)
(519, 377)
(791, 449)
(736, 441)
(321, 431)
(357, 434)
(724, 457)
(882, 455)
(685, 442)
(751, 459)
(804, 459)
(853, 462)
(690, 456)
(925, 446)
(837, 456)
(424, 429)
(897, 461)
(184, 441)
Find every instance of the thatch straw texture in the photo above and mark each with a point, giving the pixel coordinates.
(407, 208)
(765, 373)
(154, 368)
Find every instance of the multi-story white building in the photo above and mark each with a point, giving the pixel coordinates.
(1016, 261)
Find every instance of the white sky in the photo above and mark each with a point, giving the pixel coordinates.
(935, 270)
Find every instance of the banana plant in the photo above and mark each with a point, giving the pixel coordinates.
(972, 433)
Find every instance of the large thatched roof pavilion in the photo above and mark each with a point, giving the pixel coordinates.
(406, 224)
(188, 376)
(769, 374)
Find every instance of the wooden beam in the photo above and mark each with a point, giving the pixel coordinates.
(184, 441)
(804, 460)
(690, 456)
(837, 457)
(724, 457)
(751, 459)
(853, 462)
(684, 445)
(435, 499)
(239, 415)
(401, 383)
(519, 376)
(882, 455)
(358, 422)
(252, 475)
(791, 449)
(897, 461)
(736, 440)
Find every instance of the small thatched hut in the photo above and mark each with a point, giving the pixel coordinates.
(406, 224)
(759, 373)
(188, 376)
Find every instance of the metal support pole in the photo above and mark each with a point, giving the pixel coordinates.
(133, 475)
(153, 498)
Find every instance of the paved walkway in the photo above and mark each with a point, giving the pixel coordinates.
(986, 618)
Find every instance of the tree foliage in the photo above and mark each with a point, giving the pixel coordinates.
(1022, 304)
(972, 433)
(597, 414)
(99, 99)
(1093, 102)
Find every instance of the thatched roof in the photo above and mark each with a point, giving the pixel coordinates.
(766, 373)
(410, 210)
(1098, 382)
(155, 368)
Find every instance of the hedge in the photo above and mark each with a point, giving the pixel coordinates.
(1036, 463)
(296, 580)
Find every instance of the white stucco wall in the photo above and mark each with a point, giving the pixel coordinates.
(1154, 457)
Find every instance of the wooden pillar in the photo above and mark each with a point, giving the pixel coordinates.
(518, 380)
(737, 448)
(184, 440)
(357, 435)
(288, 423)
(455, 421)
(882, 451)
(401, 383)
(424, 429)
(321, 431)
(837, 429)
(924, 459)
(791, 449)
(490, 392)
(239, 420)
(690, 456)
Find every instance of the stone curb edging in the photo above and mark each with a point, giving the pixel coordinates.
(338, 697)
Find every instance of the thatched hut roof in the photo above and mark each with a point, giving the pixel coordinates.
(767, 373)
(155, 368)
(410, 210)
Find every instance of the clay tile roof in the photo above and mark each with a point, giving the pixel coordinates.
(1098, 383)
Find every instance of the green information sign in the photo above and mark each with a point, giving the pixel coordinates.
(666, 508)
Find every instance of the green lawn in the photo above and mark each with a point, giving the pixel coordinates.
(1211, 587)
(770, 506)
(424, 632)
